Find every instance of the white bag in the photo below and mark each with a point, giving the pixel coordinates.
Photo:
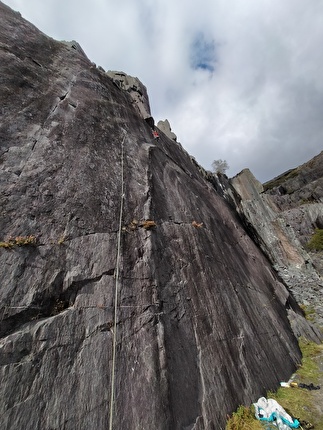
(269, 410)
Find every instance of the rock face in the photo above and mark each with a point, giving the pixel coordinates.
(301, 185)
(136, 89)
(281, 223)
(164, 126)
(201, 321)
(298, 194)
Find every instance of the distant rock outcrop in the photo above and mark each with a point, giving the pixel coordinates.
(128, 283)
(281, 224)
(298, 194)
(164, 126)
(276, 238)
(137, 91)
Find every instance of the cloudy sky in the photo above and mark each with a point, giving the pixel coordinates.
(239, 80)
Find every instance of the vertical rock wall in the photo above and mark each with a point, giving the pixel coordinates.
(201, 321)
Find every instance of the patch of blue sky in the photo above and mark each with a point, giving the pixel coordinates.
(203, 53)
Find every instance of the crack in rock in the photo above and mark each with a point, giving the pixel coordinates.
(44, 306)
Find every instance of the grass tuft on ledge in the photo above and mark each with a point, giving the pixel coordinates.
(19, 241)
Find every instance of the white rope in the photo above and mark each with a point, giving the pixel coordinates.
(116, 289)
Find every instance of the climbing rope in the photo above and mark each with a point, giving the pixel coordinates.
(116, 288)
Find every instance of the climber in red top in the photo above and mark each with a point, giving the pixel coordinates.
(156, 135)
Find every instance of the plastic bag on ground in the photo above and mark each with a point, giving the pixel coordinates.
(269, 410)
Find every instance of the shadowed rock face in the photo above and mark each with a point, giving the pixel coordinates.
(201, 320)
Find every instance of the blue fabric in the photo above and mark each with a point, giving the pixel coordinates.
(272, 417)
(294, 425)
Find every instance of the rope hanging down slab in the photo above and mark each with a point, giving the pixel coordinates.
(116, 289)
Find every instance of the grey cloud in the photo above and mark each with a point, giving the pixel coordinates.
(240, 81)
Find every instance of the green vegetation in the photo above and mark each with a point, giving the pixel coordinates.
(309, 370)
(309, 312)
(299, 403)
(19, 241)
(244, 419)
(316, 241)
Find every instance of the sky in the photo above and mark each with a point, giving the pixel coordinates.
(238, 80)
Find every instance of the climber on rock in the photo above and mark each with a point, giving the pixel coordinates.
(156, 135)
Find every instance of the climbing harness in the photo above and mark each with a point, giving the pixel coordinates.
(117, 288)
